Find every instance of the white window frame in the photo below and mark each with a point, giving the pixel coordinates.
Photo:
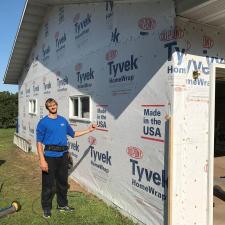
(31, 106)
(71, 108)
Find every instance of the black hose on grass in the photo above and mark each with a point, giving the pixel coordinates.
(1, 186)
(14, 207)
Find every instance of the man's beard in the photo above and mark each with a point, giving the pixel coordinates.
(53, 112)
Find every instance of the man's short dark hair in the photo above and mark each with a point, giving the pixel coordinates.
(50, 100)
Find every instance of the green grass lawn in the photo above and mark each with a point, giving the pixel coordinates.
(20, 180)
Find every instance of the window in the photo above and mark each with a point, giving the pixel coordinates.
(33, 106)
(80, 108)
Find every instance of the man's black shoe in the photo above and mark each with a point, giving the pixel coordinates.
(47, 214)
(65, 209)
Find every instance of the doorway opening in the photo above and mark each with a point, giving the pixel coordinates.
(219, 149)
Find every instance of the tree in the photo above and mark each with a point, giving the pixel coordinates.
(8, 109)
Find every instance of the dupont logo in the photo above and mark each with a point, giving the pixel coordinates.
(110, 55)
(78, 67)
(135, 152)
(92, 140)
(207, 42)
(147, 23)
(172, 34)
(179, 89)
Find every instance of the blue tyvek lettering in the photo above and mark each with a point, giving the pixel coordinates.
(149, 175)
(170, 49)
(104, 157)
(180, 54)
(127, 65)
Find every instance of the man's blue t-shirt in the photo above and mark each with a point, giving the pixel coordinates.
(54, 132)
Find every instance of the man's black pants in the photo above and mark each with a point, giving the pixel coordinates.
(57, 176)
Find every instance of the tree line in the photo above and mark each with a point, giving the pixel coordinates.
(8, 109)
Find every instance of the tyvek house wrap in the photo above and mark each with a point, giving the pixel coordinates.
(114, 53)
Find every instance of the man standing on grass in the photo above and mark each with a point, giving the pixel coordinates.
(52, 131)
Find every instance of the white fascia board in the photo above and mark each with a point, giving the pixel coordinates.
(21, 19)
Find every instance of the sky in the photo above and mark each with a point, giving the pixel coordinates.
(11, 11)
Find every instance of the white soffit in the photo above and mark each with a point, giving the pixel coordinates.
(210, 12)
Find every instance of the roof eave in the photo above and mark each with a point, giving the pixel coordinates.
(24, 39)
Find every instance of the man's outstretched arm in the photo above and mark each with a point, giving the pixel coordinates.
(91, 128)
